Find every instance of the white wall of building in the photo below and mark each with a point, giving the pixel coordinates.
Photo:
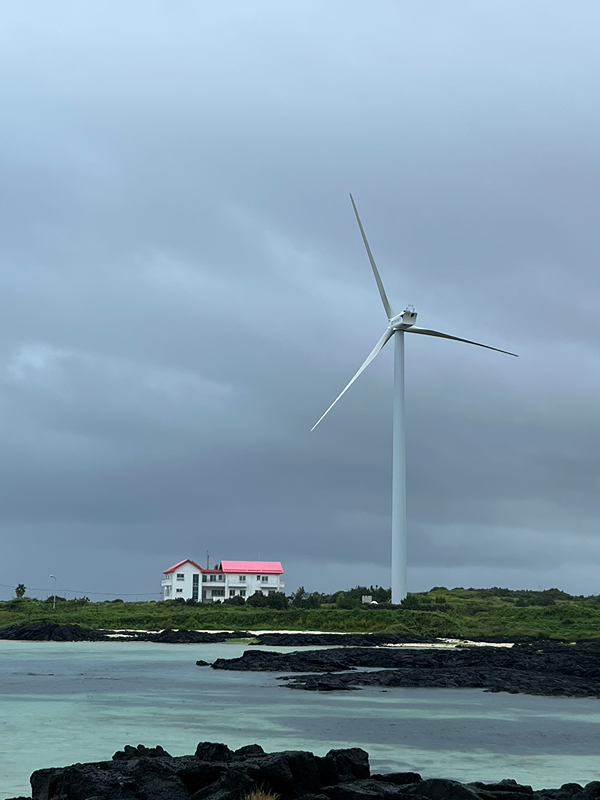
(212, 586)
(180, 582)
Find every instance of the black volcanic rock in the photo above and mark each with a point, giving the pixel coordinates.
(268, 661)
(540, 667)
(213, 751)
(189, 637)
(217, 773)
(398, 778)
(213, 773)
(137, 752)
(300, 639)
(46, 631)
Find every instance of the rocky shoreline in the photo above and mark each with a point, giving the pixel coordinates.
(530, 666)
(215, 772)
(47, 631)
(540, 668)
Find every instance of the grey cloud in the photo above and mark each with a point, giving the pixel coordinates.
(184, 290)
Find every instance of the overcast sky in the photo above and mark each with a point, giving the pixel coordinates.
(184, 289)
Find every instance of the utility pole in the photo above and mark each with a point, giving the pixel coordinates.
(54, 596)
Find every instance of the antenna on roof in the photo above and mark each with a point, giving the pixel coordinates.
(207, 559)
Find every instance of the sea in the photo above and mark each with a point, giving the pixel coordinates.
(67, 702)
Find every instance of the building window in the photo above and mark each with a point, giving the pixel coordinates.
(242, 593)
(181, 576)
(218, 592)
(220, 577)
(213, 578)
(242, 578)
(232, 593)
(179, 590)
(264, 578)
(195, 584)
(204, 579)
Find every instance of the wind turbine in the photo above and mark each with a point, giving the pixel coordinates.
(398, 325)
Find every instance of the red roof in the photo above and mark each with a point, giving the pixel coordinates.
(265, 567)
(180, 564)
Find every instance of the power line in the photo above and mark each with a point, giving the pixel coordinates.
(79, 591)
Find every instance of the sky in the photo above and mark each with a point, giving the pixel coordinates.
(184, 290)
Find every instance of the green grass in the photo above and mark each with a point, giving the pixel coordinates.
(455, 613)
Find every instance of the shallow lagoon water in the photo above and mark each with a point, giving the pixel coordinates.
(80, 701)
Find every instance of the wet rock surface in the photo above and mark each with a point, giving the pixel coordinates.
(548, 668)
(217, 773)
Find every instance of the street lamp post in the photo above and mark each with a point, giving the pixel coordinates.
(54, 596)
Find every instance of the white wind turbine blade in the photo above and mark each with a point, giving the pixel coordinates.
(427, 332)
(374, 352)
(384, 300)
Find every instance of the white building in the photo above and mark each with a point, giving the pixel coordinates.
(230, 579)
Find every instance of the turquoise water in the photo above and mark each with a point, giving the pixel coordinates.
(72, 701)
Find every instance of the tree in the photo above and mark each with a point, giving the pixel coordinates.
(257, 600)
(298, 597)
(277, 600)
(20, 590)
(302, 599)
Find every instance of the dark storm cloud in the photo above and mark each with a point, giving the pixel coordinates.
(184, 290)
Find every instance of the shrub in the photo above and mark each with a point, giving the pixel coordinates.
(234, 601)
(261, 793)
(257, 600)
(277, 600)
(345, 600)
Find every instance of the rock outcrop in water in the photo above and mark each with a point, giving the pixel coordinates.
(215, 772)
(542, 668)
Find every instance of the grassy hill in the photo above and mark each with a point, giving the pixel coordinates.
(458, 613)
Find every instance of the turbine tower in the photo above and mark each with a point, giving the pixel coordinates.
(398, 325)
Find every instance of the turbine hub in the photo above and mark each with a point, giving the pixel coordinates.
(405, 320)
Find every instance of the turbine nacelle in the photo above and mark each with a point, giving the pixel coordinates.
(405, 320)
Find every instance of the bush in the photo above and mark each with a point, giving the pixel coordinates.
(277, 600)
(345, 600)
(257, 600)
(235, 601)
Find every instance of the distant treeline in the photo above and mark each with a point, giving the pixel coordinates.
(441, 612)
